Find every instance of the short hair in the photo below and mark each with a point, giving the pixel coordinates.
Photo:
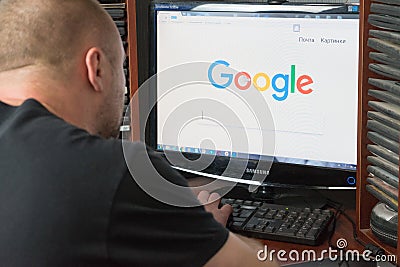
(48, 32)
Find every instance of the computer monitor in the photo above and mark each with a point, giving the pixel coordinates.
(294, 66)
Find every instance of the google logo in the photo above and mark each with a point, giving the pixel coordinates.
(281, 83)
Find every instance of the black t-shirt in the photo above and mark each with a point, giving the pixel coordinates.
(67, 198)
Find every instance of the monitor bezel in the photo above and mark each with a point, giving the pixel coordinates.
(284, 175)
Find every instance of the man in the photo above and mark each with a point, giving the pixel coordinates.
(66, 195)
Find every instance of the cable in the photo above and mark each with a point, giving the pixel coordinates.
(375, 250)
(354, 229)
(339, 211)
(338, 207)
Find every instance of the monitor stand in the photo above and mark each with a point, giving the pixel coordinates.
(295, 197)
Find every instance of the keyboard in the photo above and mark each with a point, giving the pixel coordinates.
(279, 222)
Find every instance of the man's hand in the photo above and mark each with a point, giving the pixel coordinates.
(211, 203)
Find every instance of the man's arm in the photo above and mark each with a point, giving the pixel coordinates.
(239, 251)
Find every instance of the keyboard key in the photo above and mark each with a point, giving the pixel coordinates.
(312, 233)
(323, 216)
(295, 228)
(259, 228)
(313, 216)
(300, 221)
(258, 221)
(237, 224)
(289, 221)
(303, 216)
(259, 214)
(285, 225)
(301, 233)
(310, 220)
(289, 232)
(270, 214)
(248, 202)
(249, 227)
(245, 207)
(276, 224)
(294, 213)
(318, 222)
(238, 219)
(227, 201)
(270, 229)
(245, 213)
(257, 203)
(297, 225)
(307, 210)
(317, 211)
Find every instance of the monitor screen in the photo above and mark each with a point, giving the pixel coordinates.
(286, 73)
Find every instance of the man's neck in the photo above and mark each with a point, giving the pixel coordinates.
(19, 85)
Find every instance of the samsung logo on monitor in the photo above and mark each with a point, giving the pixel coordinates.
(256, 171)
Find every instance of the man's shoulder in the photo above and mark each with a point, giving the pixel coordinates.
(31, 132)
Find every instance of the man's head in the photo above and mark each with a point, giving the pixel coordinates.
(68, 55)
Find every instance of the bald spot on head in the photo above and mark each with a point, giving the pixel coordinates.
(52, 33)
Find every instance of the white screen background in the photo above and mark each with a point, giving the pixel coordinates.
(319, 126)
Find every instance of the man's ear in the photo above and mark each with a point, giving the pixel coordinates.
(95, 60)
